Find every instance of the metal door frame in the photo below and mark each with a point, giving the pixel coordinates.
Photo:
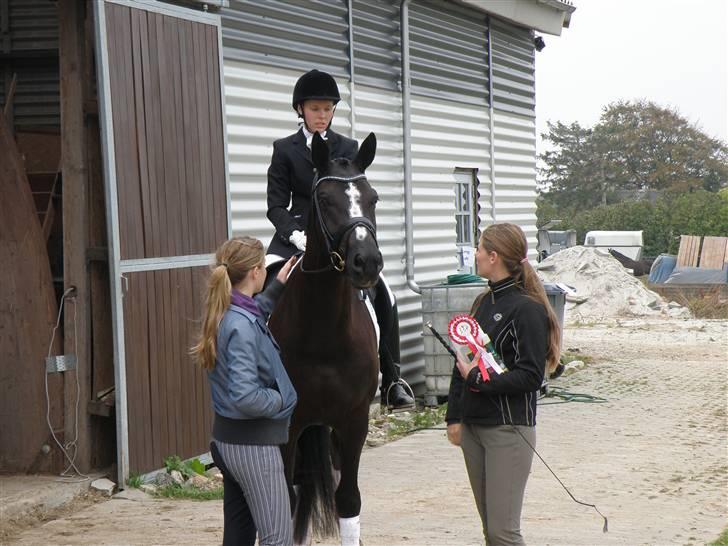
(117, 266)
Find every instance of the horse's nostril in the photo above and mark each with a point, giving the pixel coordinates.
(358, 261)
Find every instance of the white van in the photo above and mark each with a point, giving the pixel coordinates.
(628, 243)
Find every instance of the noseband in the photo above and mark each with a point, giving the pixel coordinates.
(334, 240)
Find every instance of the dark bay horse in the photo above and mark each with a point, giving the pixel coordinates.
(329, 344)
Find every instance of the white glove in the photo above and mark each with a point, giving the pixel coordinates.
(298, 239)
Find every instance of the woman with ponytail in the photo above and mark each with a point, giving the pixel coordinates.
(251, 393)
(493, 419)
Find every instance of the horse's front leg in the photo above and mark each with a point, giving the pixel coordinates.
(348, 498)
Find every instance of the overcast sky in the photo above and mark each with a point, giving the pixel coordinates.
(673, 52)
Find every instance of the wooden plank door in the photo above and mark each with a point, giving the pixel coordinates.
(162, 111)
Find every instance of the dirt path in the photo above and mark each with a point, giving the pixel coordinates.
(654, 459)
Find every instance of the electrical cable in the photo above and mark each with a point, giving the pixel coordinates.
(73, 443)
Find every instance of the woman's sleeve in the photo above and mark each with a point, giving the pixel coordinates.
(279, 195)
(527, 372)
(267, 299)
(245, 391)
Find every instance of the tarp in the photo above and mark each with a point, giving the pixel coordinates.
(662, 268)
(697, 275)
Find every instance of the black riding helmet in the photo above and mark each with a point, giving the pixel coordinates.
(315, 85)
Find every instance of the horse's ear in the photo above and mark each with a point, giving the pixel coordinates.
(365, 156)
(319, 153)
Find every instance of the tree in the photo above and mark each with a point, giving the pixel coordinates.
(635, 147)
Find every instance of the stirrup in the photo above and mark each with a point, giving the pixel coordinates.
(389, 408)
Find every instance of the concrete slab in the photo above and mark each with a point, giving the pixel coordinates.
(23, 495)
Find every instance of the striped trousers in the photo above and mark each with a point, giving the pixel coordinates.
(256, 497)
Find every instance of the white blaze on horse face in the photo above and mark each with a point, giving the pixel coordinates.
(354, 205)
(360, 232)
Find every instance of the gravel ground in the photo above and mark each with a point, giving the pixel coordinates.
(653, 458)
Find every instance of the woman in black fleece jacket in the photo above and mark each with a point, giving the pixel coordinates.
(492, 418)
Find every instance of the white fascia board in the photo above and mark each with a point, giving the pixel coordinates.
(547, 16)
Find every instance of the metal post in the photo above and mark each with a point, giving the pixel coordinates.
(407, 150)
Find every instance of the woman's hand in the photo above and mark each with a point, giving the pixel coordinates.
(454, 433)
(464, 365)
(286, 269)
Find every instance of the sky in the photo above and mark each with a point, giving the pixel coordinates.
(672, 52)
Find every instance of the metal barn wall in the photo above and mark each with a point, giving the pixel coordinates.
(450, 121)
(258, 111)
(515, 127)
(295, 34)
(29, 45)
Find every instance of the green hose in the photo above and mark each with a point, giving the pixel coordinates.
(464, 278)
(566, 396)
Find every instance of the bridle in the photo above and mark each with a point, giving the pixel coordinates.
(333, 241)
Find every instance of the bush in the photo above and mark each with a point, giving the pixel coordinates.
(696, 213)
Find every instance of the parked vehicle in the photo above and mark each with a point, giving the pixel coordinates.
(551, 241)
(628, 243)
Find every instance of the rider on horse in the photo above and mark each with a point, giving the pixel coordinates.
(290, 180)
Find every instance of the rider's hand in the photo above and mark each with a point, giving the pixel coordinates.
(298, 239)
(454, 433)
(286, 269)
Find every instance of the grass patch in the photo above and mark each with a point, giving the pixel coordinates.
(134, 481)
(567, 356)
(174, 491)
(400, 425)
(709, 305)
(722, 540)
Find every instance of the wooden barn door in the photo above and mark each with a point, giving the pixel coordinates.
(162, 113)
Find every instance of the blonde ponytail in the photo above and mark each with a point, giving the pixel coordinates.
(234, 259)
(217, 300)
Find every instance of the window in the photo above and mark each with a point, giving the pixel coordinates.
(466, 216)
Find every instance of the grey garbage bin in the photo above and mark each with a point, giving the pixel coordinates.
(440, 302)
(557, 299)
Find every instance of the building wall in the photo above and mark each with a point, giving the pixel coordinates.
(450, 116)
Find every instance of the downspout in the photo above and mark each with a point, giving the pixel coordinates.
(352, 119)
(492, 123)
(406, 150)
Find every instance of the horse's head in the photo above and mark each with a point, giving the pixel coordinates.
(343, 205)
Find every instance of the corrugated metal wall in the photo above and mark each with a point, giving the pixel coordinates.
(296, 34)
(513, 68)
(29, 48)
(258, 111)
(448, 52)
(514, 100)
(450, 121)
(377, 52)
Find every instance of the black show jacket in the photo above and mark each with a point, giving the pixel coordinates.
(290, 178)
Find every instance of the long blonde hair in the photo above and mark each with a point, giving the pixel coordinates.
(233, 261)
(509, 241)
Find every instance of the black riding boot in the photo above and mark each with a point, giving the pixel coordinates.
(393, 394)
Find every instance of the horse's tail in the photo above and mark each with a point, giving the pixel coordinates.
(314, 474)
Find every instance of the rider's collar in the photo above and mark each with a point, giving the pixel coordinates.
(309, 135)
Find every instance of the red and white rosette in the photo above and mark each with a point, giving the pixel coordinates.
(465, 330)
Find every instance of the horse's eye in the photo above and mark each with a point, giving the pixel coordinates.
(374, 200)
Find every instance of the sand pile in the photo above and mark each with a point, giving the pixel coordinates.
(604, 288)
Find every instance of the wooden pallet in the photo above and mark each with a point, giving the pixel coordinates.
(715, 253)
(687, 254)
